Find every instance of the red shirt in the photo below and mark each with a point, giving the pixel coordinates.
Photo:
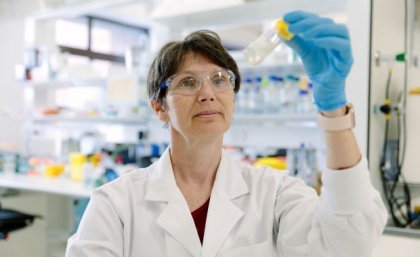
(200, 216)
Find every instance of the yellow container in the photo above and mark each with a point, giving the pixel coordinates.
(54, 170)
(76, 166)
(272, 162)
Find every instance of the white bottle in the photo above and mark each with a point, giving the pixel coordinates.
(265, 44)
(252, 98)
(271, 93)
(281, 94)
(291, 92)
(243, 97)
(259, 95)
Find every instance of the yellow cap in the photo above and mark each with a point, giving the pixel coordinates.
(282, 29)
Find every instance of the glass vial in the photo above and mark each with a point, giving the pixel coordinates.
(256, 52)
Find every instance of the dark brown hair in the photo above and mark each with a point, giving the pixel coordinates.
(171, 56)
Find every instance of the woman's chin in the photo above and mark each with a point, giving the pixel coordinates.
(209, 131)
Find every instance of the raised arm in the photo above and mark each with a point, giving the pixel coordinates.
(349, 216)
(324, 48)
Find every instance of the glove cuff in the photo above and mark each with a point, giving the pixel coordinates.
(328, 100)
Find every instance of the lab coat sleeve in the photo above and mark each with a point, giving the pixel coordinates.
(100, 233)
(345, 221)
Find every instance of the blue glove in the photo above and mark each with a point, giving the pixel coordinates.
(324, 48)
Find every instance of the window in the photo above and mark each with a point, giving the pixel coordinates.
(72, 33)
(98, 39)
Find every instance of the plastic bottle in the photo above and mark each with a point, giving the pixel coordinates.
(252, 99)
(304, 102)
(259, 95)
(272, 99)
(312, 108)
(291, 93)
(265, 44)
(242, 97)
(281, 93)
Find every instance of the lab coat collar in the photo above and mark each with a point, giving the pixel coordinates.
(176, 218)
(223, 214)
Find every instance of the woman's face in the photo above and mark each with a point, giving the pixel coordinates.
(204, 114)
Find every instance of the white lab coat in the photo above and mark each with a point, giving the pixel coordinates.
(252, 212)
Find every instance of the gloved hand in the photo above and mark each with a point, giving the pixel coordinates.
(324, 48)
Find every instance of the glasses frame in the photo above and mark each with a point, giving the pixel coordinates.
(166, 83)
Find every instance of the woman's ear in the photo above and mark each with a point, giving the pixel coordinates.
(234, 102)
(159, 110)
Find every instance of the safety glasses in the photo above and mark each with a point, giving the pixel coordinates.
(190, 83)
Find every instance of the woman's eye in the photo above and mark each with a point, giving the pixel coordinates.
(219, 81)
(188, 82)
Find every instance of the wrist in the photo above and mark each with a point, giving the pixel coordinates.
(341, 111)
(337, 120)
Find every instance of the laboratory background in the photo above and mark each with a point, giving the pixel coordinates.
(74, 110)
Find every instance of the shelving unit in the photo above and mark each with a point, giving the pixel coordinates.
(307, 120)
(92, 120)
(52, 84)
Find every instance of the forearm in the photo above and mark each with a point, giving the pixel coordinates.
(342, 148)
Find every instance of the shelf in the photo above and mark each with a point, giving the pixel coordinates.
(91, 120)
(52, 84)
(308, 120)
(268, 65)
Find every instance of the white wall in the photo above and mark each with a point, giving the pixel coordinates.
(357, 88)
(11, 98)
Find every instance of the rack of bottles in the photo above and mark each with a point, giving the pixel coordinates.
(278, 85)
(275, 94)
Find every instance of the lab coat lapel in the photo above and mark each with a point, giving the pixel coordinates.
(223, 214)
(176, 218)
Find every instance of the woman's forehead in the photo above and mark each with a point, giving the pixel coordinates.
(193, 62)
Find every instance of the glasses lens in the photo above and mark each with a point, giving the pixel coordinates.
(184, 84)
(189, 84)
(221, 80)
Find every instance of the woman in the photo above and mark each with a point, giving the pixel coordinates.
(197, 201)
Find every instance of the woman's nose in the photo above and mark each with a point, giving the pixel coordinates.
(206, 92)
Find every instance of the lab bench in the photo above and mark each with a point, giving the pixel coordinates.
(60, 186)
(51, 198)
